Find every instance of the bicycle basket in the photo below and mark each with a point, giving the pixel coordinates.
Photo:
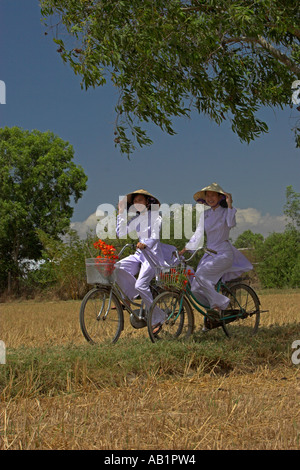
(100, 270)
(174, 276)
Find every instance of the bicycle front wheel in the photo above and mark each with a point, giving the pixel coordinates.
(101, 316)
(242, 315)
(177, 313)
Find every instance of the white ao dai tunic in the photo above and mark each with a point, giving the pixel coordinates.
(147, 227)
(227, 264)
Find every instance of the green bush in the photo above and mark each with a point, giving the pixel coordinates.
(279, 260)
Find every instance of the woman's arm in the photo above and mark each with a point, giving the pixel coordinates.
(154, 229)
(229, 200)
(197, 240)
(230, 218)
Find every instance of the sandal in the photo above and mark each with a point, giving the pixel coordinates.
(156, 328)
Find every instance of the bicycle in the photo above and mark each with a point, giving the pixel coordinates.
(241, 316)
(101, 314)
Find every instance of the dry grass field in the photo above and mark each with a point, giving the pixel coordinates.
(211, 392)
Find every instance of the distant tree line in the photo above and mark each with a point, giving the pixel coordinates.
(277, 257)
(60, 272)
(39, 254)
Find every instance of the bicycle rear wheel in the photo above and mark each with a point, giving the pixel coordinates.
(101, 316)
(242, 315)
(179, 317)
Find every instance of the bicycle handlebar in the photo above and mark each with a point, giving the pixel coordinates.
(132, 245)
(181, 258)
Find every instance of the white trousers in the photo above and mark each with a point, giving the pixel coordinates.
(127, 269)
(210, 269)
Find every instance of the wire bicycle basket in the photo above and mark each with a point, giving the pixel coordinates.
(100, 270)
(176, 276)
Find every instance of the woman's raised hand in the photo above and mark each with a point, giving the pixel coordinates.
(122, 205)
(141, 246)
(229, 200)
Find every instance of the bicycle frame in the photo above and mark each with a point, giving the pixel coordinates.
(114, 288)
(197, 304)
(202, 309)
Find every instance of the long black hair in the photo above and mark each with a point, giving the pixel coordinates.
(223, 202)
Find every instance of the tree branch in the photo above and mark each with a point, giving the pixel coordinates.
(283, 58)
(279, 55)
(276, 53)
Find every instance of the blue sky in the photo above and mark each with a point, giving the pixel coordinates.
(43, 93)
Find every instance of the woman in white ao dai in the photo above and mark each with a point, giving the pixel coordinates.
(228, 263)
(150, 251)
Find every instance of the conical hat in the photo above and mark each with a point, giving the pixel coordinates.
(130, 196)
(199, 196)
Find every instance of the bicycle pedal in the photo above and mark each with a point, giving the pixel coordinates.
(214, 314)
